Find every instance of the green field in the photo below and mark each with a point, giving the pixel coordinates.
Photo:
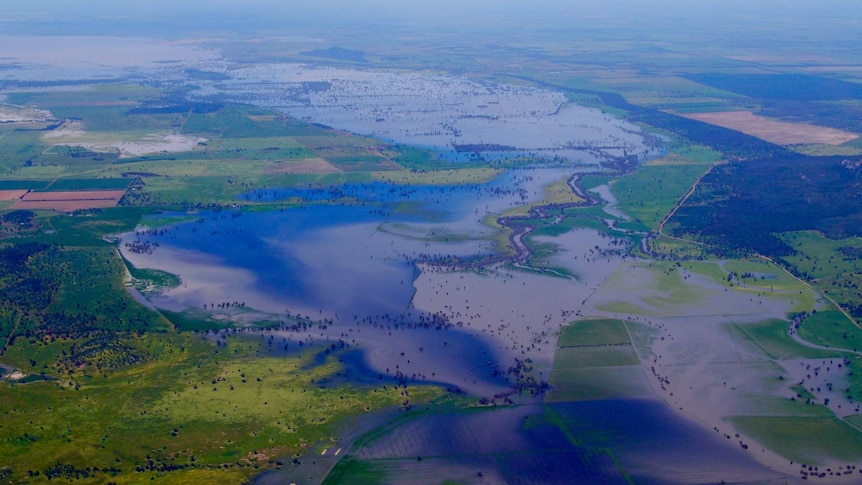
(819, 257)
(596, 359)
(833, 266)
(772, 339)
(593, 332)
(89, 184)
(172, 397)
(831, 329)
(652, 191)
(803, 439)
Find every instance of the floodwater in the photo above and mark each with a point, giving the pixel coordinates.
(457, 329)
(328, 260)
(367, 258)
(81, 57)
(590, 442)
(450, 113)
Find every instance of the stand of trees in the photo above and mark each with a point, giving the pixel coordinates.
(743, 204)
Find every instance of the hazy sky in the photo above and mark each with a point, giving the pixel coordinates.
(272, 11)
(736, 22)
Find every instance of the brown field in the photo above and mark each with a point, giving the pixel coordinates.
(11, 194)
(71, 200)
(778, 132)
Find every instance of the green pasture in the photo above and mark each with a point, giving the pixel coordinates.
(667, 286)
(833, 266)
(831, 329)
(754, 275)
(439, 177)
(238, 121)
(652, 191)
(596, 359)
(164, 409)
(803, 439)
(772, 339)
(73, 184)
(819, 257)
(593, 332)
(597, 383)
(678, 249)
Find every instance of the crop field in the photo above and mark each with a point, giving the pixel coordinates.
(70, 200)
(738, 370)
(772, 338)
(439, 177)
(12, 194)
(595, 359)
(775, 131)
(804, 439)
(200, 154)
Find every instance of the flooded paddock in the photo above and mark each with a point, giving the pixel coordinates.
(454, 114)
(367, 271)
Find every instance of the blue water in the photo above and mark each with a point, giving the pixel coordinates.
(343, 258)
(588, 442)
(382, 193)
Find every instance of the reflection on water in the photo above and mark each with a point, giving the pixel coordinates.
(328, 260)
(591, 442)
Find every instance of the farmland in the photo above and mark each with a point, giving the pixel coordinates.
(535, 244)
(774, 131)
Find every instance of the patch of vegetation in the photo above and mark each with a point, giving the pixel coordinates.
(70, 184)
(248, 122)
(743, 205)
(651, 192)
(604, 356)
(800, 87)
(803, 439)
(69, 293)
(23, 184)
(148, 280)
(357, 471)
(593, 332)
(266, 409)
(597, 383)
(414, 158)
(772, 339)
(831, 329)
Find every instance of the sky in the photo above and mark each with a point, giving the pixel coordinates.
(732, 22)
(273, 12)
